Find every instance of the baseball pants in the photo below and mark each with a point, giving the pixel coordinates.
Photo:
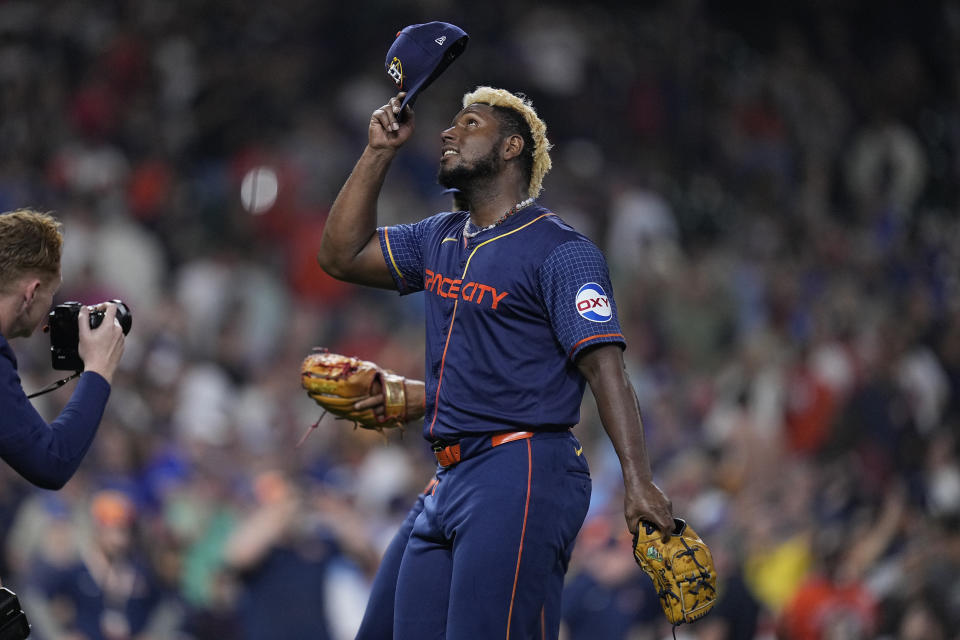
(487, 555)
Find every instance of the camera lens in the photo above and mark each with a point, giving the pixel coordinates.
(124, 317)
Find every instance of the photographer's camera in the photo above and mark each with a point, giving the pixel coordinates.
(65, 332)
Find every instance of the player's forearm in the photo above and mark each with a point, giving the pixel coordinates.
(353, 216)
(619, 411)
(253, 539)
(620, 415)
(415, 398)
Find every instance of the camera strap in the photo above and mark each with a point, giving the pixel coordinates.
(55, 385)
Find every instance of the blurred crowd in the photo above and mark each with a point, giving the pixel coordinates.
(775, 188)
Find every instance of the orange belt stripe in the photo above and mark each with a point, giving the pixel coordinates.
(450, 454)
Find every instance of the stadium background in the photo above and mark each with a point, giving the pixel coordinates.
(775, 188)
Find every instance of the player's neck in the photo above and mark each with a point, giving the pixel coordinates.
(487, 206)
(490, 215)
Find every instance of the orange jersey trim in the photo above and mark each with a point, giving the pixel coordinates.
(443, 358)
(431, 486)
(443, 361)
(523, 531)
(600, 335)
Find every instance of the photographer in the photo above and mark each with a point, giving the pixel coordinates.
(47, 455)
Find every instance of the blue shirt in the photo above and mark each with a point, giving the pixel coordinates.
(507, 312)
(47, 455)
(282, 597)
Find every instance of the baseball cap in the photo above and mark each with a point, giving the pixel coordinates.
(420, 53)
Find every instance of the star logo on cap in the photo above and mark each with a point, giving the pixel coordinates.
(395, 71)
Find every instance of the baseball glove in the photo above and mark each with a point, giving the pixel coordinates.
(681, 569)
(337, 382)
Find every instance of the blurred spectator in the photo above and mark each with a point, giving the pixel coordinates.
(284, 552)
(737, 613)
(836, 600)
(605, 597)
(642, 238)
(100, 589)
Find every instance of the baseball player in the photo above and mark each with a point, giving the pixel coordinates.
(520, 316)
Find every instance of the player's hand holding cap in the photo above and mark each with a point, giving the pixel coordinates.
(420, 53)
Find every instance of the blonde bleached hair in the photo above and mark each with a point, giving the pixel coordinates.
(538, 129)
(30, 244)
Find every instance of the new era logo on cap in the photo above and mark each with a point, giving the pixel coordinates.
(420, 53)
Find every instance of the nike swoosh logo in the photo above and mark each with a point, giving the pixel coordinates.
(578, 451)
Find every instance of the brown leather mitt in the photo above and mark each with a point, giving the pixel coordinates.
(681, 569)
(337, 382)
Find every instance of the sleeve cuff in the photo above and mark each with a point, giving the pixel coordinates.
(602, 338)
(96, 384)
(398, 278)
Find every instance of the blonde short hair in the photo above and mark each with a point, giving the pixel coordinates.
(538, 129)
(30, 243)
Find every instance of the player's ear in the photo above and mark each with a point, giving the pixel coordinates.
(512, 146)
(28, 291)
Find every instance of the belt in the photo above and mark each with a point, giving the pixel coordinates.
(449, 454)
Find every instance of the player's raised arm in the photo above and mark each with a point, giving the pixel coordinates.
(350, 249)
(604, 370)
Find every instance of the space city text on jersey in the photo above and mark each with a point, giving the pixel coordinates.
(455, 288)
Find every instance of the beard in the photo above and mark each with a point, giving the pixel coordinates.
(463, 177)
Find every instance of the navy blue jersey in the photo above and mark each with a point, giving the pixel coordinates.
(507, 312)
